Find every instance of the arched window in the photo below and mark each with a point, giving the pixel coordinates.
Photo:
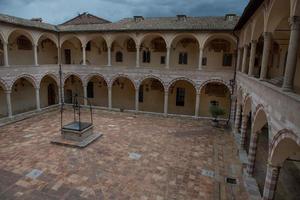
(146, 56)
(119, 56)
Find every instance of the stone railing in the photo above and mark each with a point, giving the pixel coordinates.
(282, 107)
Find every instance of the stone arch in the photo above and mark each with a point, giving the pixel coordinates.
(151, 89)
(87, 78)
(22, 32)
(66, 76)
(185, 35)
(277, 11)
(64, 38)
(247, 105)
(143, 37)
(260, 118)
(50, 36)
(258, 26)
(247, 33)
(182, 79)
(210, 37)
(28, 77)
(218, 97)
(282, 140)
(186, 90)
(123, 91)
(112, 80)
(52, 75)
(216, 81)
(2, 37)
(153, 77)
(240, 95)
(94, 36)
(116, 36)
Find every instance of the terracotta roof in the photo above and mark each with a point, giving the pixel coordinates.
(88, 23)
(159, 23)
(85, 18)
(26, 22)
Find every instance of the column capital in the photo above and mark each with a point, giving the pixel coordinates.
(83, 46)
(7, 91)
(253, 41)
(267, 35)
(295, 22)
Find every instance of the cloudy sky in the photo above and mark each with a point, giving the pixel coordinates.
(58, 11)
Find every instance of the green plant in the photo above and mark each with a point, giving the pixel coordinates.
(216, 111)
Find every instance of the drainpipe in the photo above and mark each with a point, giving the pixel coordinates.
(233, 83)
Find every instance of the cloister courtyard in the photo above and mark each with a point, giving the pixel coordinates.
(138, 157)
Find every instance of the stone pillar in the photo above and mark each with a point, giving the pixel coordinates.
(243, 130)
(5, 51)
(137, 100)
(166, 100)
(200, 58)
(58, 55)
(85, 95)
(252, 153)
(197, 104)
(271, 182)
(8, 102)
(83, 54)
(62, 95)
(109, 56)
(137, 63)
(37, 95)
(266, 55)
(245, 54)
(239, 59)
(252, 57)
(291, 62)
(109, 97)
(237, 118)
(168, 58)
(35, 55)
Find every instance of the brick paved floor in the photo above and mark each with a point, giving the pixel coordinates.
(174, 152)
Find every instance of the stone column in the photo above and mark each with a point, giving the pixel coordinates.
(137, 63)
(8, 102)
(239, 59)
(137, 100)
(85, 95)
(271, 182)
(109, 97)
(5, 51)
(109, 56)
(168, 58)
(83, 54)
(35, 55)
(252, 57)
(37, 95)
(252, 153)
(166, 100)
(237, 118)
(243, 130)
(197, 104)
(200, 58)
(266, 55)
(245, 54)
(58, 55)
(291, 62)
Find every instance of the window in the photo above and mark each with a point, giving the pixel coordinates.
(141, 94)
(90, 90)
(183, 58)
(88, 46)
(180, 95)
(227, 60)
(146, 56)
(24, 43)
(214, 103)
(204, 61)
(119, 56)
(162, 60)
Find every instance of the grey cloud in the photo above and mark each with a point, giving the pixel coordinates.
(57, 11)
